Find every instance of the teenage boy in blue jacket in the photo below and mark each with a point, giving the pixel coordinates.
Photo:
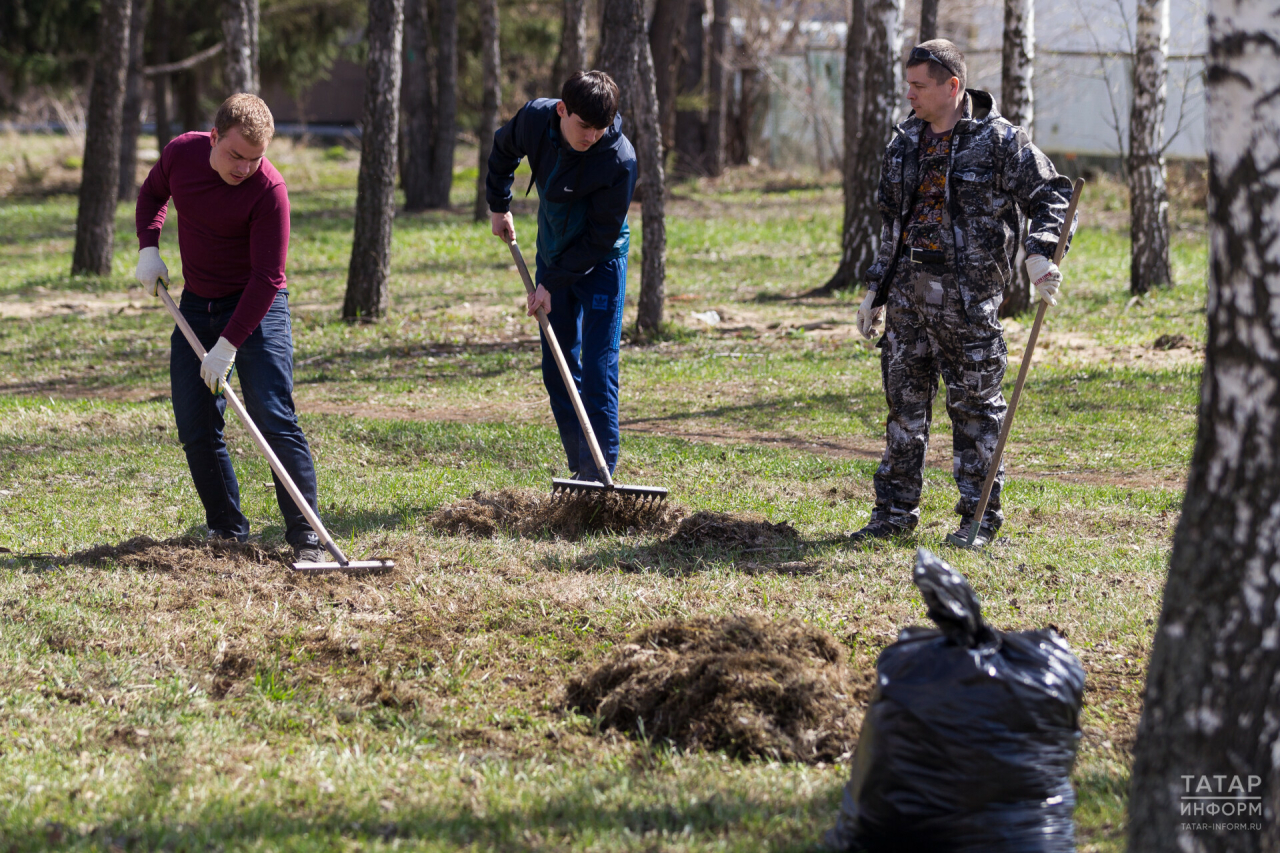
(585, 170)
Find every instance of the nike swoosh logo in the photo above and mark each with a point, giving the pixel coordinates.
(568, 189)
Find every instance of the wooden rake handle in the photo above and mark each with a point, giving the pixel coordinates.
(994, 468)
(272, 459)
(569, 384)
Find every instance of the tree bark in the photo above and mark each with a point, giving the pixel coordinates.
(1017, 103)
(440, 181)
(96, 215)
(872, 87)
(134, 98)
(717, 77)
(490, 71)
(1148, 195)
(666, 31)
(573, 44)
(369, 273)
(690, 96)
(240, 35)
(1211, 714)
(625, 55)
(928, 20)
(743, 115)
(160, 84)
(187, 90)
(418, 133)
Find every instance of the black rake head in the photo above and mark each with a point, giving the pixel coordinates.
(643, 494)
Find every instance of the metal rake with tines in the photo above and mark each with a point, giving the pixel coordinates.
(341, 564)
(561, 487)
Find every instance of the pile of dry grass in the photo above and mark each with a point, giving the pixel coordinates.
(742, 684)
(179, 554)
(732, 531)
(528, 513)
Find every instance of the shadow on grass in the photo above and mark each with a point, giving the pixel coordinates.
(574, 813)
(794, 557)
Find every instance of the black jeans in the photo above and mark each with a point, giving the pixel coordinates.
(264, 364)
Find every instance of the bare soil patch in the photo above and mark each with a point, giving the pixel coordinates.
(742, 684)
(528, 513)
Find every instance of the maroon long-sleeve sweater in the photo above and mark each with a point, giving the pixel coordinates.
(233, 239)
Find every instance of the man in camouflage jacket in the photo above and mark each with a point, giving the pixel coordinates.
(955, 183)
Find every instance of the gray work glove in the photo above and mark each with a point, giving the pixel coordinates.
(151, 270)
(1044, 274)
(217, 364)
(869, 316)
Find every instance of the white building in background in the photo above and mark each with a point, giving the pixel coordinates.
(1081, 79)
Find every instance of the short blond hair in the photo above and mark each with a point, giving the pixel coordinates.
(249, 113)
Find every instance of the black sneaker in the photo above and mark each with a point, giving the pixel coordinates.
(223, 536)
(309, 550)
(878, 528)
(960, 539)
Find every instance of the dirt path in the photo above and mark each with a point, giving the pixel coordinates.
(836, 447)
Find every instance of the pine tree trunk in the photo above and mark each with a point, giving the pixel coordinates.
(187, 90)
(928, 20)
(717, 85)
(490, 71)
(1212, 709)
(368, 276)
(665, 33)
(1148, 196)
(160, 83)
(440, 181)
(418, 133)
(573, 44)
(872, 88)
(96, 215)
(134, 98)
(625, 55)
(691, 128)
(240, 51)
(1017, 103)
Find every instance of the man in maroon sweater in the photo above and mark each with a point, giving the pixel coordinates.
(233, 235)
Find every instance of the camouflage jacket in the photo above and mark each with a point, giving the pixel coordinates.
(995, 177)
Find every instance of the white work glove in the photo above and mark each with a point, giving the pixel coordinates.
(1045, 276)
(869, 316)
(217, 364)
(151, 269)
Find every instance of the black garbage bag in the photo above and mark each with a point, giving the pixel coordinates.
(969, 739)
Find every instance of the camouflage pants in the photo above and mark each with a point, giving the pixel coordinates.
(927, 334)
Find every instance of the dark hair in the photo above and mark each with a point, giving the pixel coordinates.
(944, 59)
(592, 96)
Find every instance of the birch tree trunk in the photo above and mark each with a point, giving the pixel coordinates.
(872, 91)
(96, 214)
(131, 111)
(490, 69)
(1148, 195)
(928, 20)
(573, 44)
(1017, 103)
(624, 51)
(666, 32)
(1211, 715)
(240, 51)
(446, 119)
(691, 129)
(717, 76)
(418, 133)
(368, 276)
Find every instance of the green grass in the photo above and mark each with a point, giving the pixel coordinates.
(230, 705)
